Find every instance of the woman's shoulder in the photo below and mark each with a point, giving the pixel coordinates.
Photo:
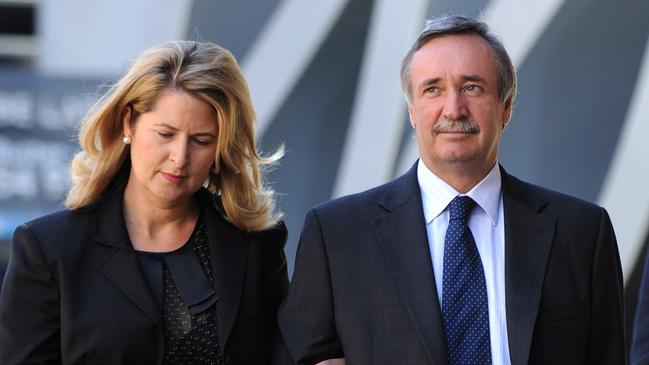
(61, 219)
(59, 228)
(273, 238)
(278, 230)
(215, 215)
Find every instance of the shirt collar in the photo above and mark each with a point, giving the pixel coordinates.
(436, 194)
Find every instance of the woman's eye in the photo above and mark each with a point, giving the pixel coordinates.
(164, 135)
(201, 142)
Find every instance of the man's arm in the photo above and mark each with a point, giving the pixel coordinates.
(640, 345)
(306, 318)
(606, 339)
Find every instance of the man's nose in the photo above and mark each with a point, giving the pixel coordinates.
(455, 107)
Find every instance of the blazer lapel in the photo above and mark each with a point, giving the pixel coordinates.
(121, 266)
(403, 239)
(229, 256)
(528, 240)
(122, 269)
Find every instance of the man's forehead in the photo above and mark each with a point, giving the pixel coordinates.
(468, 54)
(457, 43)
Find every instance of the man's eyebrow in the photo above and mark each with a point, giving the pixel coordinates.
(430, 81)
(475, 78)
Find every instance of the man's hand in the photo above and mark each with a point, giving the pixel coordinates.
(339, 361)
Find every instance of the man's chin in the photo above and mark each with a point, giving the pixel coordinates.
(460, 162)
(459, 157)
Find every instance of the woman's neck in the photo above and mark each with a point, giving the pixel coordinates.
(155, 227)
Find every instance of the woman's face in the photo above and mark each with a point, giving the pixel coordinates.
(172, 148)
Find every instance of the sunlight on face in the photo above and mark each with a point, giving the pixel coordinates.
(173, 148)
(456, 109)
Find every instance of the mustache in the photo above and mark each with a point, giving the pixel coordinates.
(464, 125)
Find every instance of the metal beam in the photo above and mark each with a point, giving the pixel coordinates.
(283, 50)
(624, 193)
(377, 122)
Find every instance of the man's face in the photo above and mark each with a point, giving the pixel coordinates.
(456, 110)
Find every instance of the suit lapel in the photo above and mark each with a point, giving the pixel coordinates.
(528, 240)
(228, 251)
(121, 266)
(123, 270)
(403, 239)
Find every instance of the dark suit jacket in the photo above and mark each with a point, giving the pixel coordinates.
(363, 283)
(640, 347)
(74, 292)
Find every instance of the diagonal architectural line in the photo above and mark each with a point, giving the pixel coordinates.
(519, 25)
(283, 50)
(624, 192)
(65, 27)
(377, 116)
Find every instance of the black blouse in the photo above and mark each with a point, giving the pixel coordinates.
(181, 282)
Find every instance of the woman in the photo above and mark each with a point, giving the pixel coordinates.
(170, 250)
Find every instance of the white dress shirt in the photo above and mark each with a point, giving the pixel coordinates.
(488, 227)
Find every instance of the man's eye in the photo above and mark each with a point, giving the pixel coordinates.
(165, 135)
(432, 89)
(472, 88)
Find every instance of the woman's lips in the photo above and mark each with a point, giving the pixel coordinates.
(172, 177)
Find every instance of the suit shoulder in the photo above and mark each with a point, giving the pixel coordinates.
(275, 236)
(354, 202)
(59, 220)
(56, 230)
(557, 200)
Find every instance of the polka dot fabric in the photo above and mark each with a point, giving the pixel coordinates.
(189, 339)
(464, 292)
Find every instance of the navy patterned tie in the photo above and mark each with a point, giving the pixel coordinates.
(464, 292)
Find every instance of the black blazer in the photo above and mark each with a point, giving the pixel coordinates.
(74, 292)
(363, 284)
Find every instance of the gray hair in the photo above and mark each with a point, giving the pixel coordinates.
(457, 25)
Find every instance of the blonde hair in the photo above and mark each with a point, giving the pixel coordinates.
(207, 71)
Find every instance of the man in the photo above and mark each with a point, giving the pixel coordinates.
(456, 262)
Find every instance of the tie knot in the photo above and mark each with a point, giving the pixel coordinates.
(460, 207)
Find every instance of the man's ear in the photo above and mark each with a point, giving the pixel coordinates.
(126, 121)
(507, 113)
(410, 115)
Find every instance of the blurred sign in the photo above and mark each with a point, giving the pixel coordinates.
(38, 120)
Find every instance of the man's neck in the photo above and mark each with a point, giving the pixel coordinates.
(461, 176)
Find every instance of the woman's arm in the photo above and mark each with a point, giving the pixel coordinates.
(29, 305)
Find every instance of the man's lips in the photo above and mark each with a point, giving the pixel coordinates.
(454, 134)
(171, 177)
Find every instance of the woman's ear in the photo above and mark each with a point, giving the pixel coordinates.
(126, 121)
